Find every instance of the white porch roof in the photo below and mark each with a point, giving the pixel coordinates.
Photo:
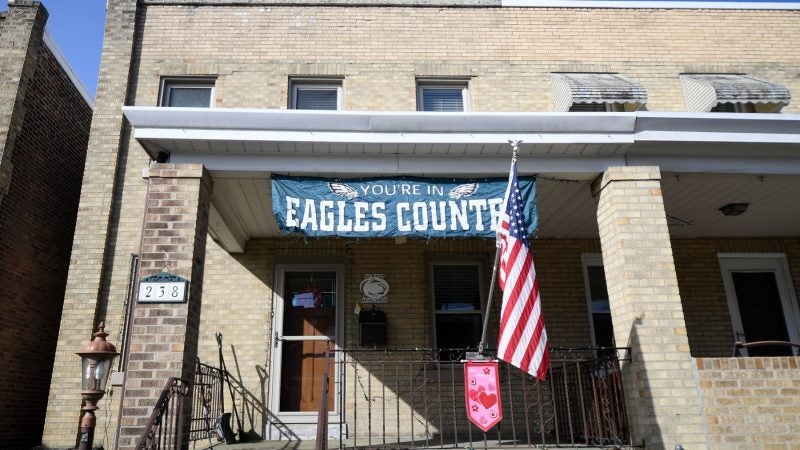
(242, 147)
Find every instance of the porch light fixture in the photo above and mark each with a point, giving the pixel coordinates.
(96, 357)
(734, 209)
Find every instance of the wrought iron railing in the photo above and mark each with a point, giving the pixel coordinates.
(415, 398)
(164, 430)
(207, 393)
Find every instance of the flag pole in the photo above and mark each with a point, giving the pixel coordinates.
(482, 345)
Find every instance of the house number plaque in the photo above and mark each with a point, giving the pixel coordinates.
(163, 288)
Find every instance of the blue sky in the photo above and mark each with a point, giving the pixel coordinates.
(77, 27)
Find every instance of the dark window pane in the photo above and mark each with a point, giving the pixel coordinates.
(458, 330)
(588, 107)
(761, 311)
(724, 107)
(442, 99)
(456, 288)
(597, 283)
(317, 99)
(190, 97)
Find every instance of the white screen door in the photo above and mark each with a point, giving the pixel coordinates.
(761, 300)
(305, 323)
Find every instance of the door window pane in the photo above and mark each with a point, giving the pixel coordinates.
(761, 311)
(309, 310)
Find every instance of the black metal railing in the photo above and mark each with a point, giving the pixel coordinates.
(207, 394)
(415, 398)
(164, 430)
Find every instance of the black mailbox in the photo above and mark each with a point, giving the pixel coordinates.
(373, 327)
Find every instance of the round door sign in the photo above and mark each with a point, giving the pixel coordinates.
(374, 288)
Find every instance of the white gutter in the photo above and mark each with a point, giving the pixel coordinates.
(791, 6)
(153, 123)
(402, 122)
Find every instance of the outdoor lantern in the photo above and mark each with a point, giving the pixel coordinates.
(96, 357)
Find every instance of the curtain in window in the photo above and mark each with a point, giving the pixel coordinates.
(442, 99)
(190, 97)
(317, 99)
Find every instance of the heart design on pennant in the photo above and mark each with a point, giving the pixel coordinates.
(487, 400)
(473, 394)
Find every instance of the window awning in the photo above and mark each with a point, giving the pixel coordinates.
(704, 91)
(569, 88)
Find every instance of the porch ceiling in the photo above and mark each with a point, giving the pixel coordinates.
(707, 160)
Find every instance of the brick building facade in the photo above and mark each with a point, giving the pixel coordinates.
(44, 129)
(632, 179)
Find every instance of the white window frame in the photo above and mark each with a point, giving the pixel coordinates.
(478, 264)
(169, 83)
(778, 264)
(461, 84)
(321, 84)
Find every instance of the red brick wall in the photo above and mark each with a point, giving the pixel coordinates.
(37, 221)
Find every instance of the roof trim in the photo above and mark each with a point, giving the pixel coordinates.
(174, 125)
(649, 4)
(62, 60)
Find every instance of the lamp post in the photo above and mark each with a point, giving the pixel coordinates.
(96, 357)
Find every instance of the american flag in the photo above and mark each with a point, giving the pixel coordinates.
(523, 340)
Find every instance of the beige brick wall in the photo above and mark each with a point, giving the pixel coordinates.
(508, 52)
(751, 403)
(237, 296)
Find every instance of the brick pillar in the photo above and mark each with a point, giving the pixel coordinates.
(22, 31)
(163, 340)
(661, 388)
(85, 299)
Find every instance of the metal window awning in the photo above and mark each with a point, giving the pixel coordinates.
(579, 88)
(704, 91)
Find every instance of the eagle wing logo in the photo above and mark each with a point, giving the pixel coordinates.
(343, 190)
(463, 190)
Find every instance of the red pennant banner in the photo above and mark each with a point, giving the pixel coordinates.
(482, 392)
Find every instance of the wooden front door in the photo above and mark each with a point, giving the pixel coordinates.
(305, 326)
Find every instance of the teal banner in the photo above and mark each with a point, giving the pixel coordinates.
(392, 207)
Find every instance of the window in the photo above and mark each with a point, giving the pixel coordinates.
(734, 108)
(187, 93)
(597, 298)
(316, 94)
(597, 107)
(457, 304)
(442, 96)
